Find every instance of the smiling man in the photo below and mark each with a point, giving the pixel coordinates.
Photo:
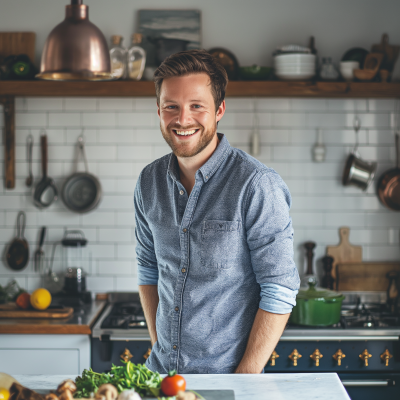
(214, 250)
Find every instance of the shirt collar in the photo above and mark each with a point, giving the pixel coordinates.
(212, 164)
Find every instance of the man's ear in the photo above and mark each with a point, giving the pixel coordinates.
(220, 111)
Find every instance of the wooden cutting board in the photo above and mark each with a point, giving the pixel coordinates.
(11, 310)
(344, 252)
(14, 43)
(367, 276)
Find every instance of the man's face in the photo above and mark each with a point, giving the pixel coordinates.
(188, 119)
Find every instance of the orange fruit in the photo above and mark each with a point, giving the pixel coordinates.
(23, 301)
(40, 299)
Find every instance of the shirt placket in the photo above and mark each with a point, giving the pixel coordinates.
(184, 236)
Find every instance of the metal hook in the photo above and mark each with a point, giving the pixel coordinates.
(356, 126)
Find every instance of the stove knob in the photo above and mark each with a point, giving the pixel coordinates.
(338, 356)
(365, 356)
(126, 355)
(316, 356)
(273, 357)
(147, 354)
(385, 356)
(295, 356)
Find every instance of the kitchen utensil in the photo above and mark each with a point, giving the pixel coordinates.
(75, 280)
(18, 253)
(255, 73)
(81, 191)
(371, 67)
(39, 253)
(316, 306)
(364, 276)
(327, 279)
(389, 183)
(29, 142)
(344, 252)
(356, 54)
(390, 52)
(51, 280)
(227, 60)
(319, 149)
(13, 43)
(45, 191)
(347, 69)
(11, 310)
(358, 172)
(310, 246)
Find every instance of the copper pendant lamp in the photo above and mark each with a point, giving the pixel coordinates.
(75, 49)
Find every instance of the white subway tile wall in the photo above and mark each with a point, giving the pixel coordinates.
(122, 137)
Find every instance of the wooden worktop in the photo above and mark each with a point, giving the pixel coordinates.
(79, 323)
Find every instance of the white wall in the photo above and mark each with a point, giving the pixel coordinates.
(122, 136)
(250, 29)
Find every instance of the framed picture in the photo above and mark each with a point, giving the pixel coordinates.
(166, 32)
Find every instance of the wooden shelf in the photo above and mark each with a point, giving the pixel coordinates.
(235, 89)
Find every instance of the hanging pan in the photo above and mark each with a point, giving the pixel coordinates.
(389, 184)
(18, 253)
(81, 191)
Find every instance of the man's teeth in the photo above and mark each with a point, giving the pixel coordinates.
(186, 133)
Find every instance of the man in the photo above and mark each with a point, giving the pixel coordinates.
(217, 279)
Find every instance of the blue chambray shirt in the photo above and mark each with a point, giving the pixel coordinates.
(216, 256)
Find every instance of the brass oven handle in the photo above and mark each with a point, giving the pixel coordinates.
(338, 356)
(147, 354)
(316, 356)
(126, 355)
(273, 357)
(294, 356)
(386, 356)
(365, 356)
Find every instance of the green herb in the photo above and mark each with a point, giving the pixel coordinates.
(128, 376)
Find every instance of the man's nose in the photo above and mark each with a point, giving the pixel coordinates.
(184, 117)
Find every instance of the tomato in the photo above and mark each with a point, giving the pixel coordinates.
(172, 384)
(24, 301)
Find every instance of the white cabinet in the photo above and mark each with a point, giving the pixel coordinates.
(44, 354)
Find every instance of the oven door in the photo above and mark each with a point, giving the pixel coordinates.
(371, 386)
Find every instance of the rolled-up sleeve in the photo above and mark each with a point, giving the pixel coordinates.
(145, 254)
(270, 240)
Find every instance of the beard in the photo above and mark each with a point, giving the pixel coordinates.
(185, 150)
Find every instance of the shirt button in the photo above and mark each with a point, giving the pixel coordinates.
(174, 346)
(183, 270)
(184, 230)
(206, 176)
(176, 308)
(181, 192)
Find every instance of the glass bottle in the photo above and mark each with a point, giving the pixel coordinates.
(118, 56)
(136, 58)
(328, 71)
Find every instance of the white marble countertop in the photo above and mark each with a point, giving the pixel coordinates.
(246, 387)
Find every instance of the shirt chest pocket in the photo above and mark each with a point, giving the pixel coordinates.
(220, 242)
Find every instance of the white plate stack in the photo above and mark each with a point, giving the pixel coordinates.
(293, 66)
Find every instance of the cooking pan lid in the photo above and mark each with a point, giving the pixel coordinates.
(317, 293)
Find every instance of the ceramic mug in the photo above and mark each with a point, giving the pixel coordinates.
(347, 69)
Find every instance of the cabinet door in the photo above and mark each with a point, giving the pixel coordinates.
(44, 354)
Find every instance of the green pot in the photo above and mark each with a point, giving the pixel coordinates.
(317, 307)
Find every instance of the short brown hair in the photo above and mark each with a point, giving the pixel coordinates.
(193, 62)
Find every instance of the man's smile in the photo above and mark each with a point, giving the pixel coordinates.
(185, 133)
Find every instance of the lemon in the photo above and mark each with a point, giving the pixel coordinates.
(4, 394)
(40, 299)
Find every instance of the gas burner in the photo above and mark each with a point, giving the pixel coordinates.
(127, 315)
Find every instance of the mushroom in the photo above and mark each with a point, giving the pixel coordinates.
(129, 395)
(69, 384)
(66, 390)
(107, 391)
(185, 396)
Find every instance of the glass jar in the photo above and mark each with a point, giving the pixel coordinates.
(136, 58)
(328, 72)
(118, 57)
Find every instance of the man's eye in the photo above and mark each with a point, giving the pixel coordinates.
(196, 106)
(170, 107)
